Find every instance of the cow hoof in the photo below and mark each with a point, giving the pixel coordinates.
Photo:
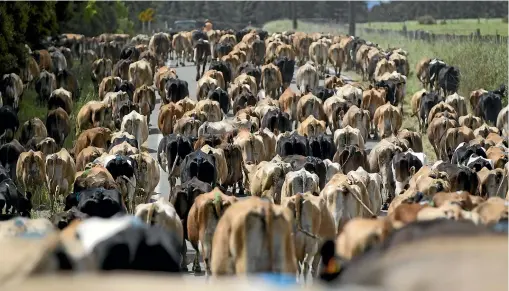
(197, 269)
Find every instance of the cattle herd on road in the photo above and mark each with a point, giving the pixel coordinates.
(262, 178)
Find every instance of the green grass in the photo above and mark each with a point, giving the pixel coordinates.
(481, 65)
(29, 108)
(452, 26)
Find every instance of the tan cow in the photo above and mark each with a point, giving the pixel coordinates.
(384, 66)
(388, 119)
(437, 129)
(97, 137)
(348, 136)
(373, 184)
(60, 171)
(474, 98)
(108, 84)
(88, 155)
(336, 57)
(220, 162)
(318, 53)
(254, 236)
(288, 103)
(335, 108)
(245, 79)
(359, 234)
(492, 183)
(264, 176)
(147, 176)
(136, 124)
(93, 114)
(205, 85)
(310, 105)
(458, 103)
(61, 98)
(492, 211)
(503, 121)
(314, 224)
(140, 73)
(371, 100)
(333, 82)
(145, 97)
(345, 200)
(31, 173)
(300, 181)
(101, 68)
(498, 155)
(452, 138)
(252, 147)
(439, 108)
(218, 76)
(307, 78)
(350, 93)
(168, 116)
(34, 127)
(470, 121)
(271, 80)
(422, 71)
(312, 127)
(202, 221)
(358, 118)
(187, 104)
(211, 108)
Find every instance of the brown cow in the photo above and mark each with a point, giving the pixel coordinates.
(108, 84)
(60, 171)
(371, 100)
(312, 127)
(96, 137)
(31, 173)
(254, 236)
(93, 114)
(388, 119)
(202, 221)
(88, 155)
(168, 116)
(310, 105)
(314, 224)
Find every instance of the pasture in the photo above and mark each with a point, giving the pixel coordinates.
(467, 56)
(446, 26)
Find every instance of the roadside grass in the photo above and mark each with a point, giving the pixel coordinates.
(481, 65)
(29, 108)
(490, 26)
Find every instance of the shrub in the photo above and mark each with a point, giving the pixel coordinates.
(426, 20)
(443, 21)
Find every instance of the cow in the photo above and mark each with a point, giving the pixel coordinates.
(345, 200)
(350, 158)
(490, 104)
(211, 108)
(60, 171)
(12, 200)
(108, 84)
(98, 137)
(350, 93)
(252, 147)
(60, 98)
(357, 118)
(307, 78)
(168, 116)
(175, 90)
(31, 173)
(45, 85)
(404, 166)
(171, 152)
(88, 155)
(492, 182)
(145, 97)
(34, 127)
(202, 221)
(371, 100)
(202, 49)
(271, 80)
(458, 103)
(187, 126)
(123, 171)
(449, 80)
(464, 151)
(388, 119)
(286, 68)
(459, 178)
(67, 80)
(251, 224)
(181, 45)
(503, 121)
(224, 68)
(292, 144)
(101, 68)
(201, 165)
(136, 124)
(11, 90)
(59, 63)
(498, 155)
(140, 73)
(58, 125)
(427, 102)
(310, 105)
(318, 53)
(451, 139)
(470, 121)
(160, 45)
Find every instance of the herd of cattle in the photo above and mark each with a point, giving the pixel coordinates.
(299, 157)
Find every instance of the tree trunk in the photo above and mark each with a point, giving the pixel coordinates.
(294, 15)
(351, 18)
(143, 26)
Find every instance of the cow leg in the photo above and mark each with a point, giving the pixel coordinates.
(196, 261)
(197, 71)
(314, 265)
(183, 251)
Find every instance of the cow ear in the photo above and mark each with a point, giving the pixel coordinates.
(412, 170)
(370, 87)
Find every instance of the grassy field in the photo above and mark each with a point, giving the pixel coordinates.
(481, 65)
(29, 108)
(451, 26)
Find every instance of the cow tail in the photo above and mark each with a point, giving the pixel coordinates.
(268, 225)
(299, 200)
(150, 214)
(217, 204)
